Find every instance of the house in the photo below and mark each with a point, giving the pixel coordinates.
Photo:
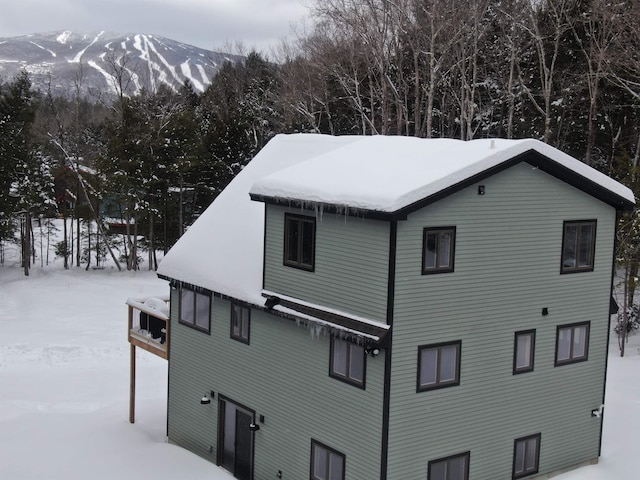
(395, 308)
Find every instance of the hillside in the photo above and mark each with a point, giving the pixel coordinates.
(95, 62)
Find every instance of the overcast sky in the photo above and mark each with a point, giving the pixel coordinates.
(210, 24)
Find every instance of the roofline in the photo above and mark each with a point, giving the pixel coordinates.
(532, 157)
(368, 335)
(325, 207)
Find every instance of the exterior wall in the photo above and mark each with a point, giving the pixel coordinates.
(507, 268)
(282, 374)
(351, 263)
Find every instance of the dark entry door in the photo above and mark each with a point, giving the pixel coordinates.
(236, 439)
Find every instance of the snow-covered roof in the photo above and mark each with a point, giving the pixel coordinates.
(388, 174)
(222, 251)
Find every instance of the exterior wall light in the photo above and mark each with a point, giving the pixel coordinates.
(205, 400)
(372, 351)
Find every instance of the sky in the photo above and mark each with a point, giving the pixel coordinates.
(210, 24)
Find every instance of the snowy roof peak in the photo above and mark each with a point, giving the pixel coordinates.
(222, 251)
(388, 174)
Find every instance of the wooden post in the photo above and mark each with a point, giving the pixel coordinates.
(132, 370)
(132, 386)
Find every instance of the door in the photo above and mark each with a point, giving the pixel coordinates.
(235, 445)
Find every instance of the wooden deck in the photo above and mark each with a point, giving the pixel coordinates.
(148, 329)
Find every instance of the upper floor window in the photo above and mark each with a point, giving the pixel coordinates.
(326, 463)
(299, 241)
(438, 246)
(439, 365)
(572, 343)
(523, 351)
(195, 309)
(578, 246)
(451, 468)
(240, 321)
(347, 361)
(526, 456)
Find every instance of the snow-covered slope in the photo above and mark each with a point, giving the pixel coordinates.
(64, 378)
(92, 60)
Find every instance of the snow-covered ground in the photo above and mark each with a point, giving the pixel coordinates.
(64, 379)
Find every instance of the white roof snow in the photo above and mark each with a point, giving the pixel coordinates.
(222, 251)
(388, 173)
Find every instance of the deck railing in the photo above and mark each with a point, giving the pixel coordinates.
(148, 324)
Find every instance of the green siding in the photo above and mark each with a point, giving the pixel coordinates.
(282, 374)
(507, 264)
(351, 263)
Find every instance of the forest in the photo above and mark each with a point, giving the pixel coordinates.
(140, 168)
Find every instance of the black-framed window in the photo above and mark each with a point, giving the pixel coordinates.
(523, 351)
(578, 246)
(455, 467)
(572, 343)
(347, 362)
(326, 463)
(439, 365)
(526, 456)
(299, 241)
(438, 249)
(240, 322)
(195, 309)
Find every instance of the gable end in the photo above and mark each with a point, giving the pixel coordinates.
(536, 160)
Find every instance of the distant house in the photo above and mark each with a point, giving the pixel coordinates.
(395, 308)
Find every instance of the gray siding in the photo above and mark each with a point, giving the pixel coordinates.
(351, 263)
(507, 264)
(282, 374)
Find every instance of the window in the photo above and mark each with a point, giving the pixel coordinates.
(438, 245)
(438, 365)
(347, 361)
(578, 246)
(572, 343)
(240, 320)
(450, 468)
(523, 349)
(299, 241)
(326, 463)
(195, 309)
(526, 456)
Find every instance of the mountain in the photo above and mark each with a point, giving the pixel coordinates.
(95, 62)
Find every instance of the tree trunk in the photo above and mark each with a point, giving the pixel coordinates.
(26, 244)
(77, 240)
(65, 238)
